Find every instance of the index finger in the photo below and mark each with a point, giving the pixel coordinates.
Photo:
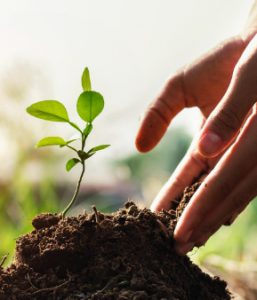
(160, 113)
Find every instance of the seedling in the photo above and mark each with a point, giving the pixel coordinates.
(89, 105)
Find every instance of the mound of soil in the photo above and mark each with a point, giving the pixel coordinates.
(125, 255)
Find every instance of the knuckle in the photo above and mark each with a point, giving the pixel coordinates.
(159, 113)
(200, 161)
(163, 108)
(227, 121)
(177, 182)
(163, 103)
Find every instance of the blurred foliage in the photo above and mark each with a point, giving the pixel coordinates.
(161, 161)
(149, 171)
(20, 201)
(21, 198)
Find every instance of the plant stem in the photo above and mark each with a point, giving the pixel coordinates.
(72, 148)
(83, 144)
(75, 126)
(76, 190)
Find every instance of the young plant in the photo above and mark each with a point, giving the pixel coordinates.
(89, 105)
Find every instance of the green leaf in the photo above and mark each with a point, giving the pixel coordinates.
(71, 163)
(90, 105)
(98, 148)
(69, 142)
(88, 129)
(85, 80)
(50, 110)
(51, 141)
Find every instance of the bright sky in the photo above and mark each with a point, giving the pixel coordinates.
(131, 47)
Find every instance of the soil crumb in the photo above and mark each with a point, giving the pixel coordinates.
(125, 255)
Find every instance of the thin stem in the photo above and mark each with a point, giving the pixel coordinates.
(83, 139)
(76, 190)
(83, 144)
(86, 133)
(72, 148)
(75, 126)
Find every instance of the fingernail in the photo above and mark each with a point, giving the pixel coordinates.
(184, 248)
(209, 144)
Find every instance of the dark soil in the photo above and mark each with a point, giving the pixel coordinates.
(125, 255)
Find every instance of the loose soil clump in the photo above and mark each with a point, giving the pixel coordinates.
(125, 255)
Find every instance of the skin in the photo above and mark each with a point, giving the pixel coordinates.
(223, 85)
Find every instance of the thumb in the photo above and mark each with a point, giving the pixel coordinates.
(225, 121)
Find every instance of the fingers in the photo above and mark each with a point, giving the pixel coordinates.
(201, 84)
(232, 207)
(204, 236)
(227, 118)
(159, 114)
(225, 192)
(190, 168)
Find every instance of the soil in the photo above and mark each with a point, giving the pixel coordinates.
(125, 255)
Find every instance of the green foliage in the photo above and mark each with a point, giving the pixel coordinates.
(71, 163)
(161, 161)
(89, 105)
(19, 203)
(51, 141)
(98, 148)
(50, 110)
(85, 80)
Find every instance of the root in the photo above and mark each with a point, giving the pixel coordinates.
(111, 282)
(30, 282)
(51, 289)
(45, 290)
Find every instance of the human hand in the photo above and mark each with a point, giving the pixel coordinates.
(223, 84)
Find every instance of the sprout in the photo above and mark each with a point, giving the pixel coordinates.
(89, 105)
